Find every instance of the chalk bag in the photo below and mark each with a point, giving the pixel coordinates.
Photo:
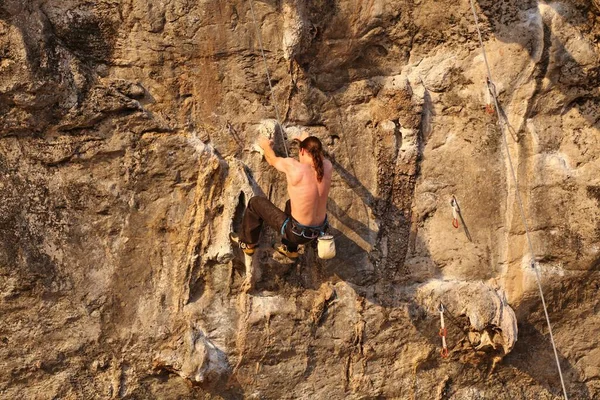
(326, 247)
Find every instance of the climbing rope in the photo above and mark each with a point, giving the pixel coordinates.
(493, 93)
(443, 332)
(262, 51)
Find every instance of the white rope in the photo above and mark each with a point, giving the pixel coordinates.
(262, 51)
(491, 87)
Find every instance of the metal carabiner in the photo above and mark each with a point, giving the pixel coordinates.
(491, 87)
(444, 352)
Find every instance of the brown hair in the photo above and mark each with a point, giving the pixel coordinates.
(315, 149)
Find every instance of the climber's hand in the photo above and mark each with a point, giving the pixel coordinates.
(265, 143)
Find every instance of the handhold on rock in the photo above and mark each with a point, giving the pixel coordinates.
(268, 128)
(256, 148)
(271, 129)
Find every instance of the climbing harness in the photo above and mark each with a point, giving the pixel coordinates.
(304, 231)
(262, 51)
(443, 332)
(518, 196)
(325, 242)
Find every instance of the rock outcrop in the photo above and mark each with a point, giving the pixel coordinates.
(126, 157)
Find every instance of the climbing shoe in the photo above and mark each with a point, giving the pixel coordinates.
(246, 247)
(282, 249)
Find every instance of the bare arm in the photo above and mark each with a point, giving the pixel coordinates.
(279, 163)
(265, 144)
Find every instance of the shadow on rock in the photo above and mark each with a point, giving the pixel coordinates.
(534, 356)
(569, 76)
(64, 54)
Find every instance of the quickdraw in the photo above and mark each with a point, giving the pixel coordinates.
(457, 216)
(443, 332)
(455, 211)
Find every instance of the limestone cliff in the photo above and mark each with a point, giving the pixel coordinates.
(126, 156)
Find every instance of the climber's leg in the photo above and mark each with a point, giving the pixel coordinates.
(260, 210)
(291, 248)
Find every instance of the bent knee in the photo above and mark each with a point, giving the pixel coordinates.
(255, 200)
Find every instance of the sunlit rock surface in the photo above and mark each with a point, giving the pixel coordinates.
(127, 132)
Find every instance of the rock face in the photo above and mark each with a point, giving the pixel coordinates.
(127, 133)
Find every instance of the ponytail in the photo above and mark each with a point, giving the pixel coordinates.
(318, 164)
(315, 149)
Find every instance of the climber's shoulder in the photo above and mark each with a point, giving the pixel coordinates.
(286, 165)
(327, 166)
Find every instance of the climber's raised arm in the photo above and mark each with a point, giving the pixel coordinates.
(282, 164)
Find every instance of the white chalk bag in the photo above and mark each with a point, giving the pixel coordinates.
(326, 247)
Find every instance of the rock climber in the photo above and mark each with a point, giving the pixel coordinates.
(305, 216)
